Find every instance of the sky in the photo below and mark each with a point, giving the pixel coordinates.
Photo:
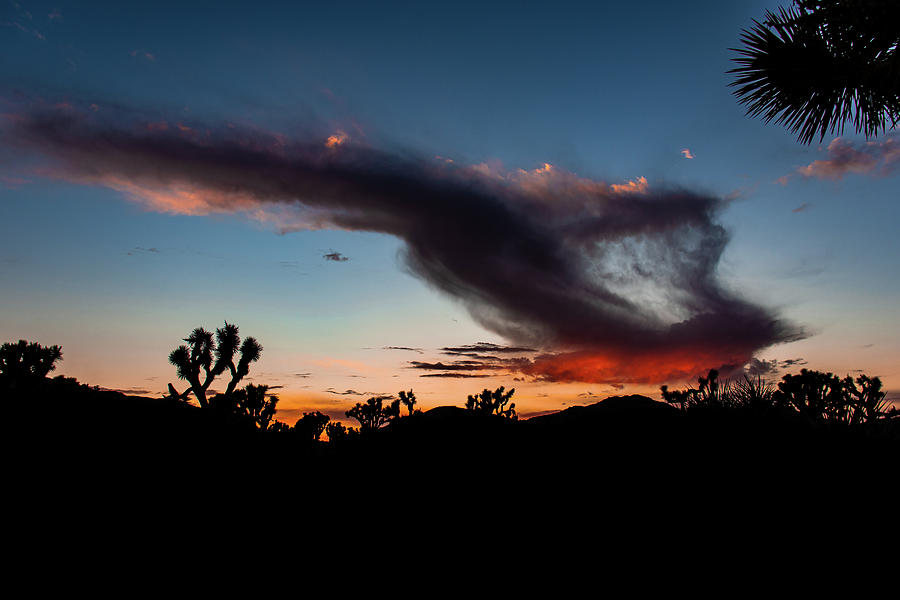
(566, 199)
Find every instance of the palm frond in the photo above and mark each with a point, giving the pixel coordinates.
(815, 70)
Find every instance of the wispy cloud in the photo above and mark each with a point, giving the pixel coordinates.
(612, 283)
(405, 348)
(878, 158)
(149, 56)
(345, 392)
(141, 250)
(24, 29)
(481, 347)
(456, 375)
(13, 182)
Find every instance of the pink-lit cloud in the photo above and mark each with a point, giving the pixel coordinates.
(143, 54)
(335, 140)
(13, 182)
(877, 158)
(635, 186)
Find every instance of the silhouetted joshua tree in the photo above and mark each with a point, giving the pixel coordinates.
(311, 425)
(408, 399)
(198, 354)
(373, 415)
(823, 63)
(489, 402)
(27, 362)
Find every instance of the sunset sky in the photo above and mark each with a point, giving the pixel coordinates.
(563, 198)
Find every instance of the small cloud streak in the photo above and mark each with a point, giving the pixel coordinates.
(482, 347)
(762, 367)
(455, 375)
(141, 250)
(686, 152)
(24, 29)
(13, 182)
(405, 348)
(143, 54)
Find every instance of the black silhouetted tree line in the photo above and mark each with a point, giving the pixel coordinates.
(822, 397)
(374, 414)
(821, 64)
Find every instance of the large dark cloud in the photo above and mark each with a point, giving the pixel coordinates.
(606, 281)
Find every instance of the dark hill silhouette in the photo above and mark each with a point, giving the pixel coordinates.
(633, 407)
(61, 433)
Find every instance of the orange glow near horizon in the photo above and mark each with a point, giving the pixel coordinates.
(644, 368)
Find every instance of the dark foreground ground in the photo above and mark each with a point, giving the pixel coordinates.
(628, 476)
(88, 437)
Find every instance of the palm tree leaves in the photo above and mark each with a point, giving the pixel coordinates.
(822, 64)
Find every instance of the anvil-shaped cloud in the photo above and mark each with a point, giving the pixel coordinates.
(610, 283)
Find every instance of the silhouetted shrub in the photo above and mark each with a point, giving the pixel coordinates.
(252, 405)
(709, 394)
(337, 433)
(488, 402)
(279, 427)
(311, 425)
(190, 359)
(23, 362)
(752, 394)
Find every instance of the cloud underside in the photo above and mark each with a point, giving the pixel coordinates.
(609, 283)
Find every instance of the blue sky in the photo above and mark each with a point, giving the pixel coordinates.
(610, 93)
